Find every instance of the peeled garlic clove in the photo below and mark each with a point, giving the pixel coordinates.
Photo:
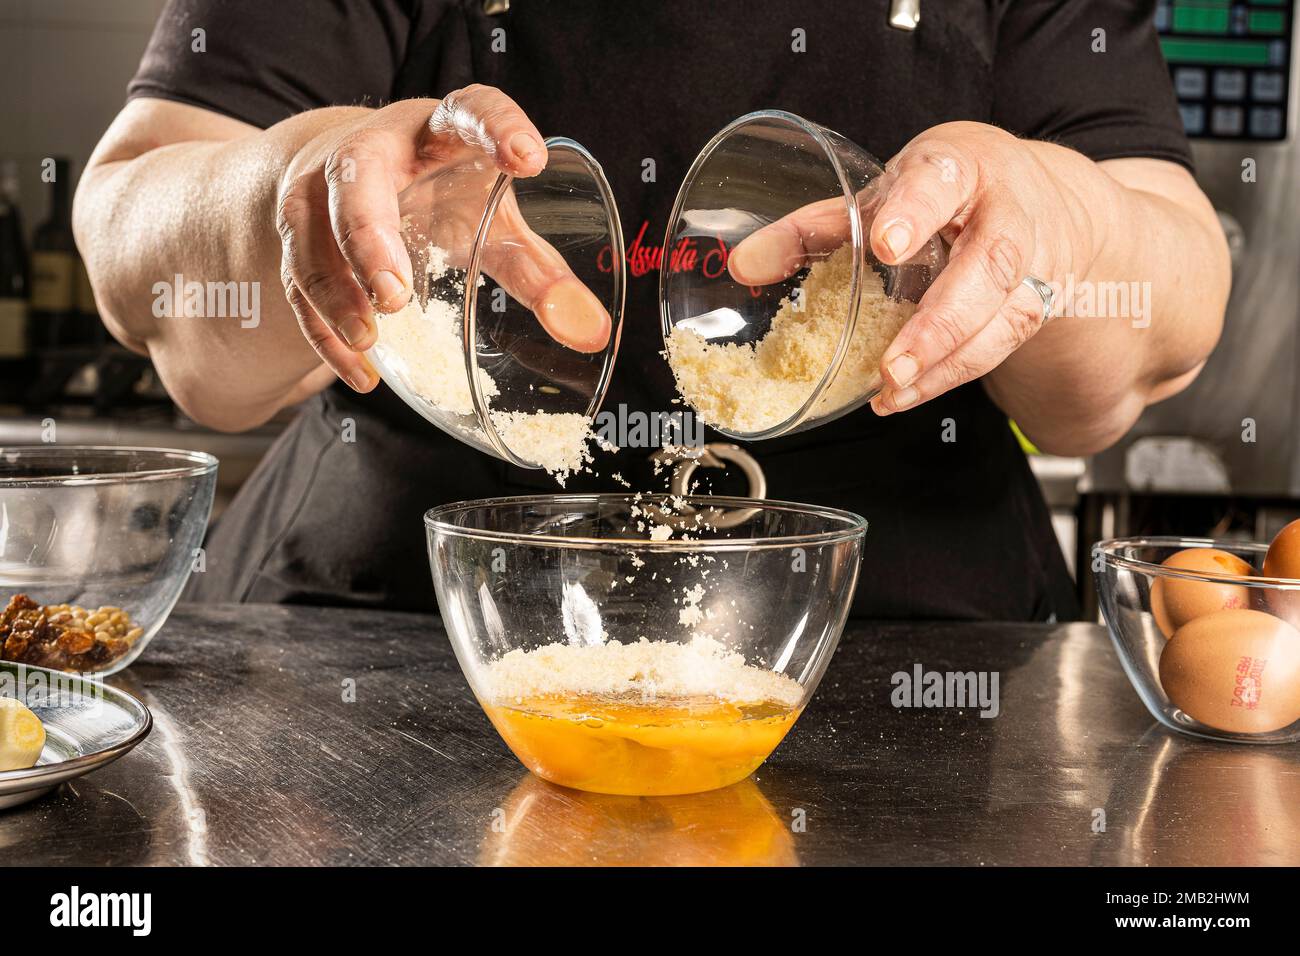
(22, 736)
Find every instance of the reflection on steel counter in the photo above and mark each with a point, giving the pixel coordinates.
(541, 824)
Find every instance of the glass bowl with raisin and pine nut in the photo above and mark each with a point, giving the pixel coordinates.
(96, 544)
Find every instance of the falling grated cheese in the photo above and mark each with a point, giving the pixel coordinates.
(556, 441)
(691, 614)
(753, 387)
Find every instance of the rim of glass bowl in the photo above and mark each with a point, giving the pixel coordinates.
(469, 317)
(855, 526)
(814, 131)
(1108, 549)
(197, 463)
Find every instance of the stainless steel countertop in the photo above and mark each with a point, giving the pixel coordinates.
(255, 758)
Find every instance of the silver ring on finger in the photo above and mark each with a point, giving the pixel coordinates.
(1045, 292)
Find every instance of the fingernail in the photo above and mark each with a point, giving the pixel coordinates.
(572, 315)
(738, 262)
(758, 261)
(897, 238)
(524, 146)
(903, 369)
(359, 381)
(353, 330)
(386, 287)
(905, 398)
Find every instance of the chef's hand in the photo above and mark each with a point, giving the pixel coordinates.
(342, 249)
(1006, 217)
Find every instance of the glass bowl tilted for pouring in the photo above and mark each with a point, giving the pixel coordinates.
(803, 347)
(467, 354)
(621, 646)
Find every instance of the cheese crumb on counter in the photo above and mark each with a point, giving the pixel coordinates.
(702, 667)
(753, 387)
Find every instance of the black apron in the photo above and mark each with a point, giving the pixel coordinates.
(957, 525)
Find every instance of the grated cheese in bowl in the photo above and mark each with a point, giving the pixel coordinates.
(701, 667)
(423, 348)
(747, 388)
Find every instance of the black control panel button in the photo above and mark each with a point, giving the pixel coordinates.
(1230, 62)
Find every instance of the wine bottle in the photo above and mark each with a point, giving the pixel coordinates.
(13, 269)
(90, 330)
(54, 269)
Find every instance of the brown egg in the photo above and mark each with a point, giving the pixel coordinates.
(1175, 601)
(1235, 670)
(1283, 561)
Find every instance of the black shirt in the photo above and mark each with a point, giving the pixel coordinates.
(958, 528)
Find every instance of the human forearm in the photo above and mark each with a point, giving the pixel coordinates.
(307, 213)
(203, 209)
(1012, 208)
(1141, 296)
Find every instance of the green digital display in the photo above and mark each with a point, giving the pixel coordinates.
(1188, 19)
(1267, 21)
(1212, 52)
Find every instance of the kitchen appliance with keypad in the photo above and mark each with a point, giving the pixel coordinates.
(1229, 62)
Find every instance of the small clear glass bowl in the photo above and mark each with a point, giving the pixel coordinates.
(758, 170)
(579, 578)
(1244, 668)
(100, 527)
(470, 348)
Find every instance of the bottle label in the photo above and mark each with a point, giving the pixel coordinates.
(13, 328)
(53, 280)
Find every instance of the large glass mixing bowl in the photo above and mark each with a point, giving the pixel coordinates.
(617, 660)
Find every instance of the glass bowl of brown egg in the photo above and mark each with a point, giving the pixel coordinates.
(96, 544)
(1208, 631)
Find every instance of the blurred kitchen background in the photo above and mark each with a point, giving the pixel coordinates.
(1220, 460)
(64, 66)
